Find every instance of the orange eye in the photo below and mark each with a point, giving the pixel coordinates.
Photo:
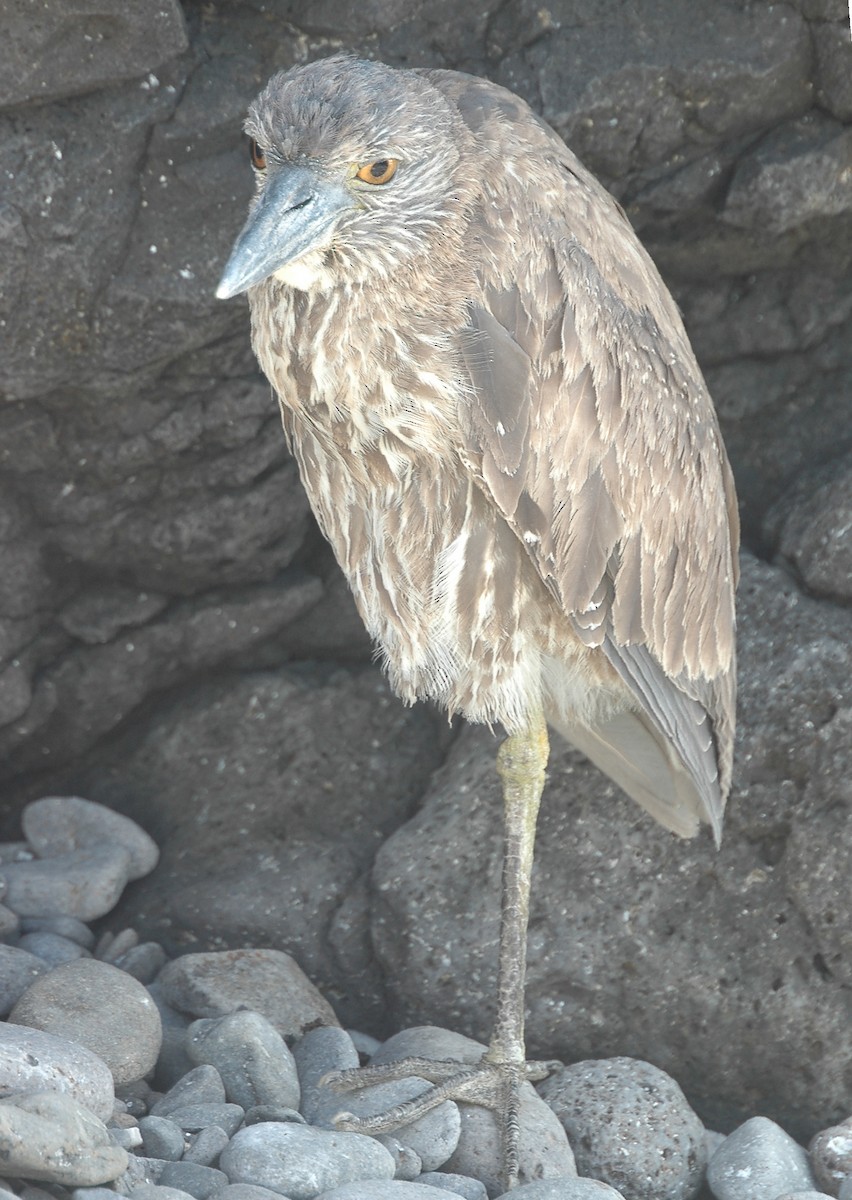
(382, 171)
(258, 156)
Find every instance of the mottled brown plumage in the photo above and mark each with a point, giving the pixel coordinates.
(502, 429)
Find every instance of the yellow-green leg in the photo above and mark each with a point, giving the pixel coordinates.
(495, 1081)
(521, 763)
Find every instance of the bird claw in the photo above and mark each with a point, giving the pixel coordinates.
(492, 1085)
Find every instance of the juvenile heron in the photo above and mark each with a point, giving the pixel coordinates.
(506, 439)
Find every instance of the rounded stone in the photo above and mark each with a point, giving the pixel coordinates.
(68, 927)
(194, 1117)
(52, 948)
(630, 1126)
(85, 884)
(49, 1136)
(319, 1052)
(246, 1191)
(273, 1112)
(173, 1063)
(393, 1189)
(303, 1162)
(459, 1185)
(191, 1177)
(161, 1138)
(432, 1137)
(100, 1007)
(154, 1191)
(250, 1055)
(57, 825)
(544, 1150)
(269, 982)
(579, 1188)
(205, 1146)
(34, 1061)
(144, 962)
(831, 1156)
(759, 1160)
(201, 1085)
(18, 971)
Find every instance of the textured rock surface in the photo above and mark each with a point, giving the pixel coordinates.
(268, 981)
(630, 1126)
(730, 969)
(101, 1008)
(34, 1061)
(276, 845)
(251, 1057)
(757, 1161)
(303, 1162)
(49, 1136)
(156, 545)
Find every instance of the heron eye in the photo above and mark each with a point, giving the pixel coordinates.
(258, 156)
(382, 171)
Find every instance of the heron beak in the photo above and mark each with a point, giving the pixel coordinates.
(292, 215)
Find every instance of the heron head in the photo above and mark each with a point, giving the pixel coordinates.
(355, 165)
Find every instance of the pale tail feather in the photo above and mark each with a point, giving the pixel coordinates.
(628, 749)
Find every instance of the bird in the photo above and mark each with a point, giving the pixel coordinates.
(506, 438)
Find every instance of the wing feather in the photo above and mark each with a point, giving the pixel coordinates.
(599, 444)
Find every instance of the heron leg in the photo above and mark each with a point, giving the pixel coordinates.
(495, 1081)
(521, 763)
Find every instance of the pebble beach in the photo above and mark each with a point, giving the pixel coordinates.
(124, 1071)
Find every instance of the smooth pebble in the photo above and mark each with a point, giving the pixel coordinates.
(831, 1156)
(393, 1189)
(18, 969)
(407, 1164)
(144, 962)
(193, 1117)
(302, 1162)
(34, 1061)
(272, 1112)
(49, 1136)
(67, 927)
(319, 1052)
(630, 1126)
(10, 922)
(85, 884)
(162, 1138)
(155, 1191)
(90, 1193)
(57, 825)
(266, 981)
(247, 1191)
(199, 1181)
(200, 1085)
(251, 1056)
(578, 1188)
(432, 1137)
(205, 1146)
(759, 1161)
(100, 1007)
(52, 948)
(174, 1062)
(461, 1185)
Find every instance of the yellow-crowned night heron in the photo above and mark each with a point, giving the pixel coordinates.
(506, 439)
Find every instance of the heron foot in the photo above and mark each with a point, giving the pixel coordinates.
(492, 1085)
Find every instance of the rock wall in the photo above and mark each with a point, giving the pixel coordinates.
(163, 588)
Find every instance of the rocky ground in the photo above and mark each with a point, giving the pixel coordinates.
(176, 644)
(207, 1075)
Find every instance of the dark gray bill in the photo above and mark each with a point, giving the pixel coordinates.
(292, 215)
